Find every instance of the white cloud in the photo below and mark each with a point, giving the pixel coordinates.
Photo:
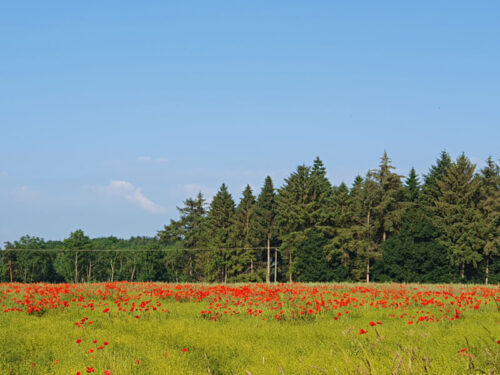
(149, 159)
(130, 193)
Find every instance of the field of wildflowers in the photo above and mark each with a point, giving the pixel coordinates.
(154, 328)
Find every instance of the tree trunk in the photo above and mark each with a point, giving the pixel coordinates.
(462, 271)
(291, 279)
(268, 271)
(384, 236)
(251, 266)
(11, 271)
(76, 267)
(368, 271)
(275, 265)
(133, 271)
(225, 274)
(112, 270)
(487, 271)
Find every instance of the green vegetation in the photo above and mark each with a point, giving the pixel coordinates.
(444, 229)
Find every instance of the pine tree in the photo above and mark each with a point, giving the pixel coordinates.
(489, 205)
(243, 236)
(219, 227)
(265, 212)
(457, 214)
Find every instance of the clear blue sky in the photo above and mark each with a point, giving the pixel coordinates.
(113, 112)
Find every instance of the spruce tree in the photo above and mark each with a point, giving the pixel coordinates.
(457, 214)
(186, 234)
(489, 205)
(243, 237)
(265, 212)
(430, 189)
(219, 227)
(412, 188)
(388, 209)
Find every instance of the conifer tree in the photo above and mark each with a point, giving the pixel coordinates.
(489, 205)
(388, 209)
(219, 227)
(412, 188)
(265, 212)
(243, 236)
(457, 214)
(187, 233)
(430, 189)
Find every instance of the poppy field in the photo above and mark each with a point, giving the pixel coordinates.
(155, 328)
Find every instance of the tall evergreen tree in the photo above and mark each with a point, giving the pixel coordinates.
(219, 227)
(265, 213)
(457, 214)
(388, 209)
(489, 205)
(430, 189)
(412, 188)
(243, 237)
(187, 233)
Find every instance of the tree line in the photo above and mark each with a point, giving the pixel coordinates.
(384, 227)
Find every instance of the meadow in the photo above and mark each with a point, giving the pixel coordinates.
(154, 328)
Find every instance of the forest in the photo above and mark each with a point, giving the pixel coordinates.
(442, 227)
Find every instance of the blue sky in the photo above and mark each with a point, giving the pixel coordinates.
(112, 113)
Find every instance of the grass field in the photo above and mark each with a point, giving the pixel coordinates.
(145, 328)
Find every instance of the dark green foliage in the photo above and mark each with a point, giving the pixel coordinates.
(412, 188)
(444, 230)
(457, 215)
(436, 173)
(219, 228)
(416, 254)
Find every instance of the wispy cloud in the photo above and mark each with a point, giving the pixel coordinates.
(149, 159)
(130, 193)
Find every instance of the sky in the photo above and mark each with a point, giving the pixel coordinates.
(114, 112)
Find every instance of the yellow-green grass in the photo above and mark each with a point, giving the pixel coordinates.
(45, 343)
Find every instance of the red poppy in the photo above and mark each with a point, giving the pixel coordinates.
(362, 331)
(90, 369)
(373, 324)
(184, 350)
(78, 341)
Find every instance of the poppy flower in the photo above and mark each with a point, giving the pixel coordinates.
(90, 369)
(362, 331)
(184, 350)
(105, 343)
(107, 372)
(78, 341)
(373, 324)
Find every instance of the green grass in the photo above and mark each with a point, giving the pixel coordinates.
(248, 345)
